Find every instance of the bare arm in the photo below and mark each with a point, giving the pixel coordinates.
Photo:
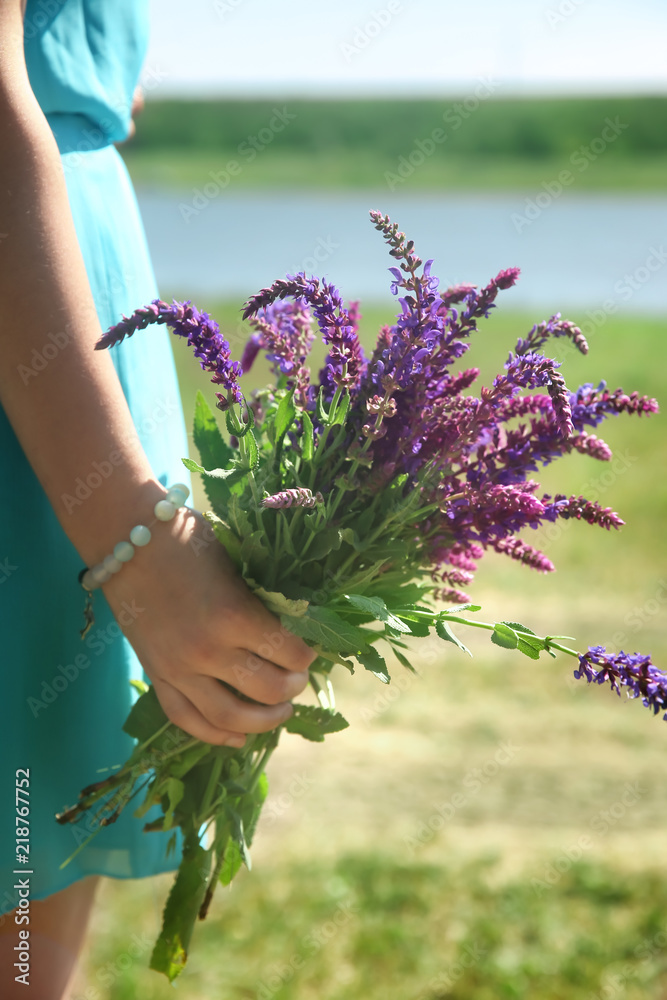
(75, 414)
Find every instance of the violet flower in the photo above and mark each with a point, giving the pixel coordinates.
(554, 327)
(630, 670)
(590, 405)
(345, 361)
(202, 334)
(284, 331)
(581, 509)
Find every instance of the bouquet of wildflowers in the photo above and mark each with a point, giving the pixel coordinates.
(356, 506)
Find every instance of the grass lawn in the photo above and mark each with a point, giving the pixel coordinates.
(490, 828)
(370, 169)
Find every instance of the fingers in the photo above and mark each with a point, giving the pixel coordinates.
(261, 680)
(181, 711)
(263, 634)
(225, 712)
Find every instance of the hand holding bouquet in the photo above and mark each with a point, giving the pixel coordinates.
(357, 507)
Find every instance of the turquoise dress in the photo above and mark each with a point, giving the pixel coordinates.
(64, 700)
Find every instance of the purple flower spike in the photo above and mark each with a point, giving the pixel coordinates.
(630, 670)
(250, 351)
(554, 327)
(582, 509)
(202, 334)
(345, 361)
(591, 405)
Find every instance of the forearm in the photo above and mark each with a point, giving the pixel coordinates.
(71, 414)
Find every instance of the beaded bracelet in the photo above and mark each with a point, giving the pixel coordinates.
(95, 576)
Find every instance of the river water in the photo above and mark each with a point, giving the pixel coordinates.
(592, 254)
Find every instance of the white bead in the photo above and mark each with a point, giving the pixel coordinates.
(140, 535)
(123, 552)
(87, 580)
(164, 511)
(176, 496)
(111, 564)
(99, 574)
(182, 488)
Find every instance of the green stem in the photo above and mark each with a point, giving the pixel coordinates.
(263, 759)
(213, 780)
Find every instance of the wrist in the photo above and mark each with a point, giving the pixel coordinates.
(161, 507)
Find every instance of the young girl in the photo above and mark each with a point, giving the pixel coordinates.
(90, 442)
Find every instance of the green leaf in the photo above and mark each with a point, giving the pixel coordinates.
(254, 552)
(238, 518)
(216, 482)
(213, 450)
(376, 607)
(324, 627)
(341, 410)
(415, 626)
(283, 420)
(352, 538)
(239, 836)
(375, 663)
(231, 862)
(463, 607)
(174, 791)
(322, 415)
(141, 687)
(226, 537)
(325, 541)
(307, 437)
(402, 660)
(252, 806)
(250, 460)
(528, 649)
(519, 628)
(444, 631)
(314, 722)
(146, 717)
(369, 575)
(180, 913)
(504, 636)
(279, 604)
(184, 762)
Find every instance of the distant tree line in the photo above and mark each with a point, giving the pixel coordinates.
(532, 129)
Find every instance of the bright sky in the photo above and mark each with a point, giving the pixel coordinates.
(406, 47)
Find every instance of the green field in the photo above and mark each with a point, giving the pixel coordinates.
(387, 867)
(480, 142)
